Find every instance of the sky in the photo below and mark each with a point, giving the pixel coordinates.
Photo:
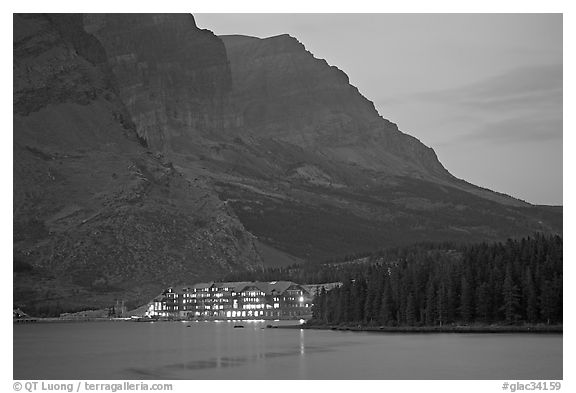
(483, 90)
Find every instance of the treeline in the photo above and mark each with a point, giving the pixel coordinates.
(519, 281)
(334, 270)
(301, 274)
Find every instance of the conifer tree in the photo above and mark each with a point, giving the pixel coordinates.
(510, 297)
(410, 310)
(430, 310)
(386, 311)
(531, 297)
(466, 299)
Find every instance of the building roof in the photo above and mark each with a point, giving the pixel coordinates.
(231, 285)
(241, 285)
(268, 288)
(271, 286)
(181, 288)
(278, 286)
(203, 285)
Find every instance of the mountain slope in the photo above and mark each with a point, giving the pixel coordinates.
(284, 92)
(97, 216)
(341, 178)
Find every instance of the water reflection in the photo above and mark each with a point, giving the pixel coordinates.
(218, 351)
(227, 361)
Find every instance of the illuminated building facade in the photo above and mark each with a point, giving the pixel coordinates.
(234, 300)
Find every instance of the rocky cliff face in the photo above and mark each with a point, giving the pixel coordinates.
(97, 216)
(284, 92)
(173, 77)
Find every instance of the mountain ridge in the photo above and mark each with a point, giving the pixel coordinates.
(236, 39)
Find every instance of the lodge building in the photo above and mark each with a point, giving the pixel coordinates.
(234, 300)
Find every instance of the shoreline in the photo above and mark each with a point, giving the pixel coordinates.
(541, 329)
(26, 321)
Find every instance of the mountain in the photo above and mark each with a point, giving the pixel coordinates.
(149, 152)
(352, 179)
(286, 94)
(98, 216)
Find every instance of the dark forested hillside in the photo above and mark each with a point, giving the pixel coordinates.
(519, 281)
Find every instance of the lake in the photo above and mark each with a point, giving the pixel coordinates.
(216, 350)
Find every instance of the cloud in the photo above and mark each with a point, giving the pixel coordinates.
(517, 130)
(526, 85)
(522, 105)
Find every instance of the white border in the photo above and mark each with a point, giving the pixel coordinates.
(422, 6)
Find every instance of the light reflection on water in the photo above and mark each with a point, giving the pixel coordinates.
(170, 350)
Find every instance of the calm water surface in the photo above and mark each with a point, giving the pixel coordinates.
(215, 350)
